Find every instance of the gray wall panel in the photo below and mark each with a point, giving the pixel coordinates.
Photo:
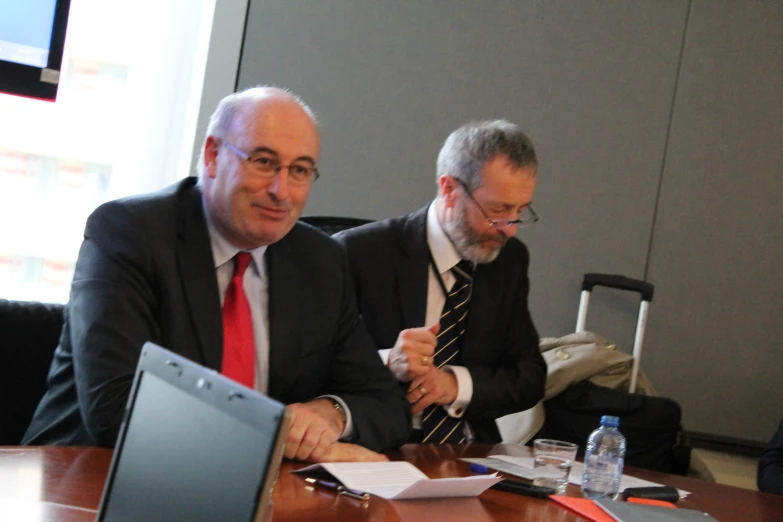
(591, 82)
(718, 238)
(221, 71)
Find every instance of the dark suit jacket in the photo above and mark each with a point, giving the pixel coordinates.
(146, 273)
(389, 263)
(770, 470)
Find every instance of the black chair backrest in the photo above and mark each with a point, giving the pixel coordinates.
(29, 333)
(334, 224)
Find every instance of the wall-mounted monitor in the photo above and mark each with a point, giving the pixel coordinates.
(32, 35)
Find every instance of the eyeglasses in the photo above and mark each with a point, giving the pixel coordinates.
(267, 166)
(526, 218)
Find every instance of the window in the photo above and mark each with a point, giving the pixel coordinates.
(123, 124)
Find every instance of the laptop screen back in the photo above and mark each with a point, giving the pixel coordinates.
(190, 449)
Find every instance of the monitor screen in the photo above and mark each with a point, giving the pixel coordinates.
(32, 36)
(26, 31)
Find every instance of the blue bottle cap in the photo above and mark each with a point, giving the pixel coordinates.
(608, 420)
(478, 468)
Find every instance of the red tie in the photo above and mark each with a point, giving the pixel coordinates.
(239, 354)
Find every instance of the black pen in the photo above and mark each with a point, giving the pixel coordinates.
(520, 488)
(339, 488)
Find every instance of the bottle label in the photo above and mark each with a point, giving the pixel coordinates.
(604, 464)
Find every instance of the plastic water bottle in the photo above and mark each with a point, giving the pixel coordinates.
(604, 459)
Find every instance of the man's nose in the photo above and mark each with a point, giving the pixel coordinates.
(278, 187)
(509, 231)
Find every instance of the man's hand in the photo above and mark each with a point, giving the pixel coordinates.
(435, 387)
(345, 452)
(315, 427)
(412, 354)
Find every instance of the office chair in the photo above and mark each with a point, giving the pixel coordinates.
(333, 224)
(29, 333)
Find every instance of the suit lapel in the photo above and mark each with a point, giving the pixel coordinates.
(197, 270)
(483, 304)
(412, 270)
(285, 296)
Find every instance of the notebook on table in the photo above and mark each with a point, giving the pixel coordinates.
(632, 512)
(193, 446)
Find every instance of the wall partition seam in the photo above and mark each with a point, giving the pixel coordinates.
(666, 141)
(242, 46)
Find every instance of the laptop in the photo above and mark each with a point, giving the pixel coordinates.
(194, 445)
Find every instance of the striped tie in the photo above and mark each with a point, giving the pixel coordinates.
(437, 426)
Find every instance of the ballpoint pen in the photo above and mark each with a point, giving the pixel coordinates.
(339, 488)
(520, 488)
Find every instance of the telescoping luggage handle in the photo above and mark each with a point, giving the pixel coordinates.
(622, 283)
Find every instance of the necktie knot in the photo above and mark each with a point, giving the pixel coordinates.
(463, 270)
(241, 262)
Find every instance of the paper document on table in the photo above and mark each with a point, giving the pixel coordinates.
(526, 464)
(512, 468)
(401, 480)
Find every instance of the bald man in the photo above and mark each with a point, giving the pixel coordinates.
(167, 267)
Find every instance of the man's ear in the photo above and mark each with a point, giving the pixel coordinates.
(446, 190)
(211, 147)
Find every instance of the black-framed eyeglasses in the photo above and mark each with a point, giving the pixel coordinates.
(267, 166)
(526, 218)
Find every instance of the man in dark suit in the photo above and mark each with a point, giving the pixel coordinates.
(220, 271)
(445, 289)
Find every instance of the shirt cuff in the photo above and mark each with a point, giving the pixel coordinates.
(385, 355)
(348, 431)
(398, 366)
(464, 391)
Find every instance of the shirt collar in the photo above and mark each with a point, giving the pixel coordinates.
(443, 251)
(223, 251)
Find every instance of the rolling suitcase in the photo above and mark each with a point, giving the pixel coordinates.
(652, 425)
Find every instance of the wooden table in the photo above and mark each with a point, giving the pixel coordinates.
(65, 484)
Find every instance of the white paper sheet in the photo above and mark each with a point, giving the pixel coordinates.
(402, 480)
(527, 466)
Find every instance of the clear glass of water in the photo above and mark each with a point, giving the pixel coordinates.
(553, 460)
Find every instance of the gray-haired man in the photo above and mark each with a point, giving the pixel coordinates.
(444, 290)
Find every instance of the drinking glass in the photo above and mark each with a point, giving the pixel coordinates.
(552, 463)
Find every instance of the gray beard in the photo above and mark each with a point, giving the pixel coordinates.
(466, 242)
